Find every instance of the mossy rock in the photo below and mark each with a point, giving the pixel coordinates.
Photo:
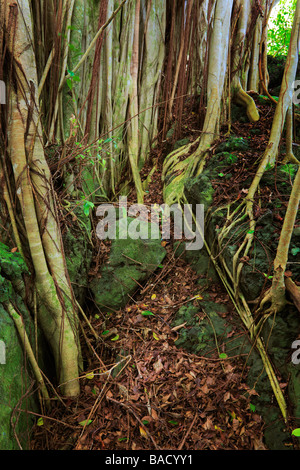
(199, 261)
(199, 190)
(181, 143)
(15, 373)
(170, 132)
(131, 262)
(11, 263)
(199, 337)
(276, 67)
(6, 291)
(233, 144)
(15, 380)
(78, 253)
(90, 185)
(238, 113)
(279, 333)
(219, 163)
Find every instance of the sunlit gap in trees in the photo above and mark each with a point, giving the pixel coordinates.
(280, 26)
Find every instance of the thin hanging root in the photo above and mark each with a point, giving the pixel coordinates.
(230, 224)
(29, 352)
(247, 242)
(278, 289)
(289, 156)
(7, 199)
(245, 314)
(267, 298)
(247, 206)
(236, 217)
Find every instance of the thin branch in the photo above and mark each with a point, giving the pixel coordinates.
(28, 349)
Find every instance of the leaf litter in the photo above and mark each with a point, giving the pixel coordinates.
(139, 391)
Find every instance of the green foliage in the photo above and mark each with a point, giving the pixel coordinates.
(12, 266)
(95, 161)
(223, 356)
(87, 206)
(11, 262)
(280, 27)
(6, 291)
(97, 152)
(73, 78)
(252, 407)
(289, 169)
(295, 250)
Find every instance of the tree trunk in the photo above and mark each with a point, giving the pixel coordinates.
(57, 314)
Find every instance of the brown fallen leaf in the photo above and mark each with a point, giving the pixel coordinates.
(158, 366)
(208, 425)
(143, 433)
(258, 444)
(176, 328)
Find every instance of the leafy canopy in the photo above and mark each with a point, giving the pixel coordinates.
(280, 26)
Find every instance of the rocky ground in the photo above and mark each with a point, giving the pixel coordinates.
(168, 364)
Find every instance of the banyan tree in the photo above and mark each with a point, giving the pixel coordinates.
(102, 82)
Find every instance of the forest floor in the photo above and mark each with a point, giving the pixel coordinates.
(140, 391)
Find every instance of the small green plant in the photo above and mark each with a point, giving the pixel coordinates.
(73, 78)
(87, 206)
(268, 277)
(289, 169)
(252, 407)
(223, 356)
(98, 156)
(296, 432)
(295, 250)
(231, 158)
(147, 313)
(269, 166)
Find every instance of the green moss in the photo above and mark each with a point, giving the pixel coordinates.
(130, 263)
(12, 266)
(78, 252)
(15, 378)
(199, 336)
(6, 291)
(233, 144)
(199, 190)
(181, 143)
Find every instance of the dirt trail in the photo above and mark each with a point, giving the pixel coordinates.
(142, 392)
